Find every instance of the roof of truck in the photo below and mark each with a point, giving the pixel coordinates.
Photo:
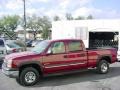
(65, 40)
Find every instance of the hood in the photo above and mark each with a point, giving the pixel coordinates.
(18, 55)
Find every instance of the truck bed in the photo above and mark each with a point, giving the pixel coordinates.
(99, 48)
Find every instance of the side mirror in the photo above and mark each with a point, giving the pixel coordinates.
(49, 52)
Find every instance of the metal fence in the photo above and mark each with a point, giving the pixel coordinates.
(103, 43)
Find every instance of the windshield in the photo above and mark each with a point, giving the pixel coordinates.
(40, 47)
(13, 45)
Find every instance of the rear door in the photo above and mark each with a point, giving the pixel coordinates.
(56, 58)
(76, 54)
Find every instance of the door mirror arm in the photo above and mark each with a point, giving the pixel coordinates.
(49, 52)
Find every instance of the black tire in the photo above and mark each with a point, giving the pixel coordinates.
(25, 79)
(103, 67)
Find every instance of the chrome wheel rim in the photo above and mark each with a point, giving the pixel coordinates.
(30, 77)
(104, 67)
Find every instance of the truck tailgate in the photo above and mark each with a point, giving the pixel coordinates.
(95, 54)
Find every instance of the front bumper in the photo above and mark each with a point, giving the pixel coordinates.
(9, 72)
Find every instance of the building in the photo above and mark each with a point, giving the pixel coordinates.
(94, 33)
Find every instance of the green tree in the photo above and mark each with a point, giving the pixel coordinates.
(90, 17)
(46, 26)
(34, 24)
(80, 18)
(56, 18)
(39, 25)
(8, 25)
(69, 16)
(1, 28)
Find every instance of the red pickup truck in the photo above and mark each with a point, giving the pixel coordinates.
(54, 57)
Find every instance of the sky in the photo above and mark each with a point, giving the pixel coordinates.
(99, 9)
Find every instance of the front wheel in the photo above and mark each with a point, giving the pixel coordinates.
(103, 67)
(28, 76)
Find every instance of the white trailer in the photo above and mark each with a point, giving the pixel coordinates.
(94, 33)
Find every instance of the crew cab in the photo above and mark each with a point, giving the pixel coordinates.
(54, 57)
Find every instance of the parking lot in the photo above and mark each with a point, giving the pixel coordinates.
(87, 80)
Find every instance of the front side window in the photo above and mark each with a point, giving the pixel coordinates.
(58, 47)
(74, 46)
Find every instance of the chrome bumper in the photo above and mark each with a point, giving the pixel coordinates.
(118, 57)
(9, 72)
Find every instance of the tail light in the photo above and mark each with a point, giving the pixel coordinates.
(114, 52)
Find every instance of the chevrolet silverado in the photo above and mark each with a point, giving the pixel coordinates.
(54, 57)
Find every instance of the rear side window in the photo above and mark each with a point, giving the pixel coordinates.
(1, 42)
(74, 46)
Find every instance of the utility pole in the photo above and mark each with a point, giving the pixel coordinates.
(25, 23)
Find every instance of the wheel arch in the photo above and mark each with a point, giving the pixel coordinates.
(105, 57)
(34, 64)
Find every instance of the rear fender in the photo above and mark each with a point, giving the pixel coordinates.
(105, 57)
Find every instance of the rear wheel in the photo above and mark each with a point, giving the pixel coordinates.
(28, 76)
(103, 67)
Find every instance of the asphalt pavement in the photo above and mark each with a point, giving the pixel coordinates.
(87, 80)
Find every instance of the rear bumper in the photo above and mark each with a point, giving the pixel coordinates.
(118, 57)
(9, 72)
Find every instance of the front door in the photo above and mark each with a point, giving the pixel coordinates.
(55, 60)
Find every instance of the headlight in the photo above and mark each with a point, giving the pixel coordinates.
(8, 63)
